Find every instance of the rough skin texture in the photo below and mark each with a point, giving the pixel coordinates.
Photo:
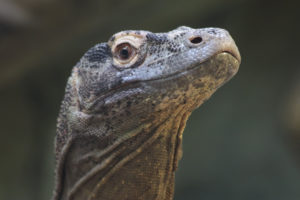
(126, 104)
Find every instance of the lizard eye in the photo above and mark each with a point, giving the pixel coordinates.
(128, 49)
(124, 52)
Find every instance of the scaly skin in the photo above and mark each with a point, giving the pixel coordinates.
(127, 101)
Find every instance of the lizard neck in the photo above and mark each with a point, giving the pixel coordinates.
(142, 162)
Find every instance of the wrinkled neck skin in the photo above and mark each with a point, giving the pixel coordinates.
(140, 160)
(136, 155)
(140, 164)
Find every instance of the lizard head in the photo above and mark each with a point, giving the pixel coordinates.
(124, 94)
(140, 72)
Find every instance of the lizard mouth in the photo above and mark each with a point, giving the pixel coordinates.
(227, 56)
(230, 60)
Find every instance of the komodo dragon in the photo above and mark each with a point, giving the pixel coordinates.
(126, 104)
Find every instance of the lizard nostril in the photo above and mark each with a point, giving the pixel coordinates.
(196, 40)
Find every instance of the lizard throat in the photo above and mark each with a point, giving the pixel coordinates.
(159, 148)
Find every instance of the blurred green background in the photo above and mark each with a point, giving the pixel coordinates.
(244, 143)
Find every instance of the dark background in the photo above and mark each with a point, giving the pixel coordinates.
(244, 143)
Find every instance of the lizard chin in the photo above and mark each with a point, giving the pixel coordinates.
(232, 61)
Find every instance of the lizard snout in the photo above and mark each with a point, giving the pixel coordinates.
(212, 41)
